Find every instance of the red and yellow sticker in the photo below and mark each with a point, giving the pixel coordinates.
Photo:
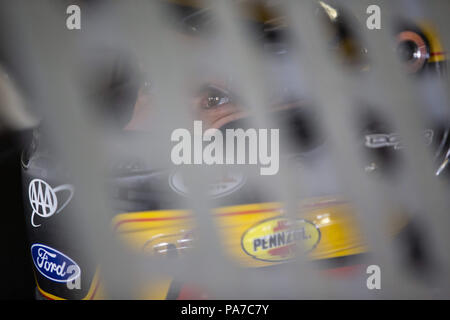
(279, 239)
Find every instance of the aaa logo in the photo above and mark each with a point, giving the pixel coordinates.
(43, 199)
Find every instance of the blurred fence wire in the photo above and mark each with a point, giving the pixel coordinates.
(51, 60)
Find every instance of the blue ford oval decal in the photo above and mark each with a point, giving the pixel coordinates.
(53, 264)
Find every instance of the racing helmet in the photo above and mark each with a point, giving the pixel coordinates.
(251, 225)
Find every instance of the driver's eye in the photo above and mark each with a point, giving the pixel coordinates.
(213, 96)
(413, 50)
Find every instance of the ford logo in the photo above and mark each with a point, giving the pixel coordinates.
(53, 264)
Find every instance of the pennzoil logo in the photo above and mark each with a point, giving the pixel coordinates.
(278, 239)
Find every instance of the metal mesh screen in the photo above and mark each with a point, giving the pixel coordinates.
(61, 68)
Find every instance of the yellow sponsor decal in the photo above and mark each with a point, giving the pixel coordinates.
(279, 239)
